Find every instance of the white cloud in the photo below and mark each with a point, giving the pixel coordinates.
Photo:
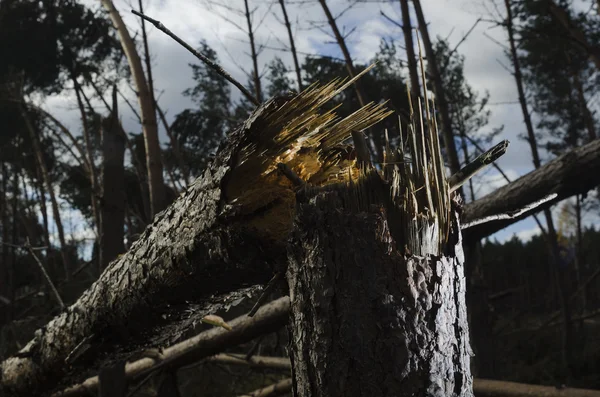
(191, 20)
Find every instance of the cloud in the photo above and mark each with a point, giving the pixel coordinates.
(192, 21)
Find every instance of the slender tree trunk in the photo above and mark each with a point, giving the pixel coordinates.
(47, 181)
(4, 265)
(254, 54)
(93, 175)
(149, 126)
(42, 200)
(14, 242)
(413, 70)
(113, 188)
(440, 94)
(587, 114)
(342, 44)
(175, 146)
(579, 247)
(562, 273)
(288, 26)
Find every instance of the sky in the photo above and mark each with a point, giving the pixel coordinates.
(193, 20)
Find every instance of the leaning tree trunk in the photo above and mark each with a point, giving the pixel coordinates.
(225, 231)
(377, 285)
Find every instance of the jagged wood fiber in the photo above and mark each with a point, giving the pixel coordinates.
(368, 319)
(227, 230)
(377, 283)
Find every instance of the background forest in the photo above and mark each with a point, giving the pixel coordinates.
(81, 176)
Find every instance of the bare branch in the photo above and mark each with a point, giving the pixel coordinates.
(268, 318)
(200, 56)
(276, 389)
(45, 274)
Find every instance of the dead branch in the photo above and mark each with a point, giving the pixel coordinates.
(269, 318)
(280, 363)
(37, 260)
(276, 389)
(497, 388)
(217, 68)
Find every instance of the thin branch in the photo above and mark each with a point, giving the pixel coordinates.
(200, 56)
(282, 363)
(45, 274)
(269, 318)
(276, 389)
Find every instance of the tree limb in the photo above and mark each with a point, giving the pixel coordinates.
(575, 172)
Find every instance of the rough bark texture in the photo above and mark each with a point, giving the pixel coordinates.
(189, 251)
(227, 230)
(269, 318)
(113, 187)
(366, 319)
(575, 172)
(149, 126)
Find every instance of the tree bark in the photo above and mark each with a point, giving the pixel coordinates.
(228, 229)
(440, 94)
(413, 70)
(575, 172)
(288, 26)
(367, 318)
(112, 242)
(149, 126)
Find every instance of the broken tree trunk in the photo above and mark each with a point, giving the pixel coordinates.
(113, 188)
(575, 172)
(227, 230)
(380, 312)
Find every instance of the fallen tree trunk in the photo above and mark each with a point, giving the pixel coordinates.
(227, 230)
(575, 172)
